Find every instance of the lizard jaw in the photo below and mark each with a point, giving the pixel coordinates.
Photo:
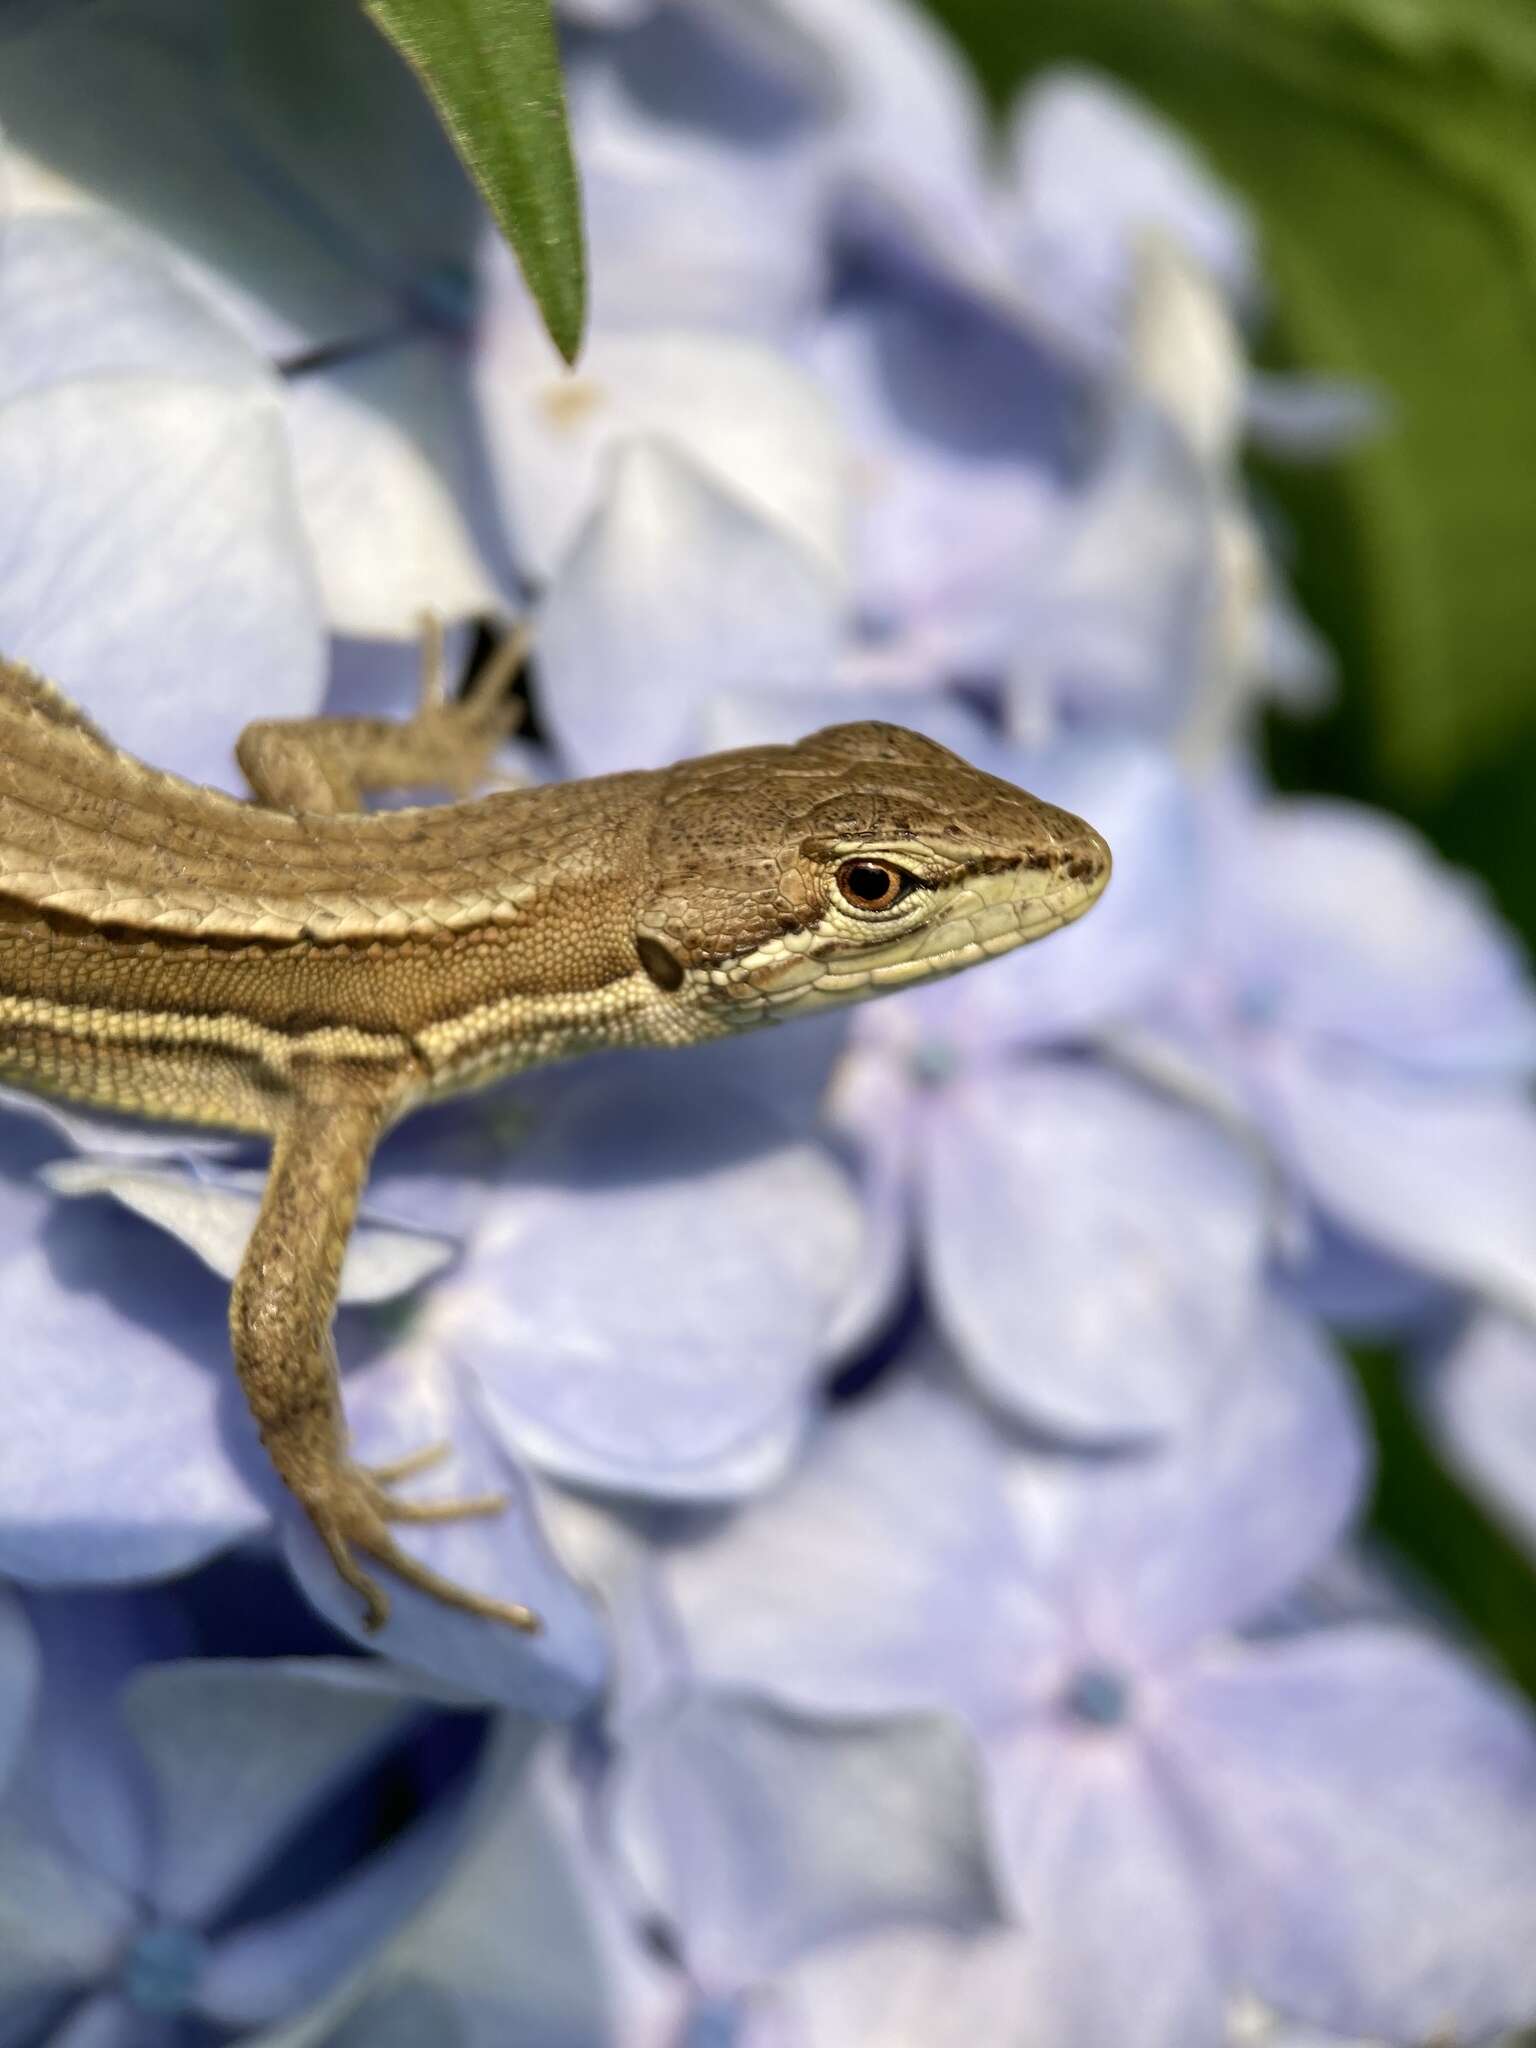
(982, 918)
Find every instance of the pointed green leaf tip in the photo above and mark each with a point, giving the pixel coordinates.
(492, 70)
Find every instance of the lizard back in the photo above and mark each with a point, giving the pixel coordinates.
(169, 950)
(91, 833)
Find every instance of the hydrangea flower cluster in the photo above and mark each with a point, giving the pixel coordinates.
(926, 1435)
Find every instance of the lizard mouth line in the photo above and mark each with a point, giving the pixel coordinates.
(962, 938)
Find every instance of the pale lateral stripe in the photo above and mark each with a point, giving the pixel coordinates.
(230, 1032)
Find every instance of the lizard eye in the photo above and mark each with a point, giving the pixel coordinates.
(873, 884)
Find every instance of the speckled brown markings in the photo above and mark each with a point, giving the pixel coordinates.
(300, 969)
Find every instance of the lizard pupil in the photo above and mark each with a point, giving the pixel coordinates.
(871, 884)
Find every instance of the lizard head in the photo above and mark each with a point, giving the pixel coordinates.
(862, 859)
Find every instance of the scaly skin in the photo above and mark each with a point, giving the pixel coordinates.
(302, 970)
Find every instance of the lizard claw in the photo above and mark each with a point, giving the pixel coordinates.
(412, 1463)
(353, 1513)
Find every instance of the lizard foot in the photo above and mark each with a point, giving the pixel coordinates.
(458, 736)
(353, 1512)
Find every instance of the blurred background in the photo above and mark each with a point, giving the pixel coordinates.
(1387, 149)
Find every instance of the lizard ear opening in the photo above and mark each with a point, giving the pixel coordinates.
(659, 962)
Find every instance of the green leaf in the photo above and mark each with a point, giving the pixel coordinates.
(492, 70)
(1388, 148)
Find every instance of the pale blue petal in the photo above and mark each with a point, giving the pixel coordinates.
(1313, 417)
(434, 1174)
(218, 129)
(118, 1392)
(1280, 2033)
(86, 295)
(1355, 1288)
(665, 203)
(401, 1407)
(652, 1295)
(675, 590)
(1298, 668)
(613, 1552)
(749, 76)
(1369, 1803)
(85, 1771)
(60, 1924)
(240, 1751)
(1342, 926)
(787, 1073)
(381, 678)
(1481, 1397)
(607, 13)
(328, 124)
(1094, 171)
(869, 1106)
(778, 717)
(908, 109)
(1154, 1551)
(963, 431)
(107, 2021)
(1093, 1249)
(906, 143)
(524, 1942)
(214, 1211)
(151, 562)
(809, 1596)
(98, 1133)
(1122, 1945)
(1099, 972)
(757, 1834)
(1439, 1176)
(1121, 610)
(18, 1679)
(262, 1971)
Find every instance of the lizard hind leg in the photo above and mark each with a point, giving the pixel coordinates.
(281, 1310)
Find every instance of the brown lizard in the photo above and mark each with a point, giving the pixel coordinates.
(302, 969)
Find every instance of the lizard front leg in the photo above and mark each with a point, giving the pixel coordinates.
(281, 1312)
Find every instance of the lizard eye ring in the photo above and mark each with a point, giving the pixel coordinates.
(873, 884)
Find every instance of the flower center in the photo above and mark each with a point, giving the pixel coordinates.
(933, 1063)
(162, 1969)
(1260, 1004)
(715, 2023)
(1099, 1697)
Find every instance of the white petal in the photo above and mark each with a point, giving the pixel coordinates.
(215, 1217)
(754, 425)
(674, 591)
(151, 562)
(383, 450)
